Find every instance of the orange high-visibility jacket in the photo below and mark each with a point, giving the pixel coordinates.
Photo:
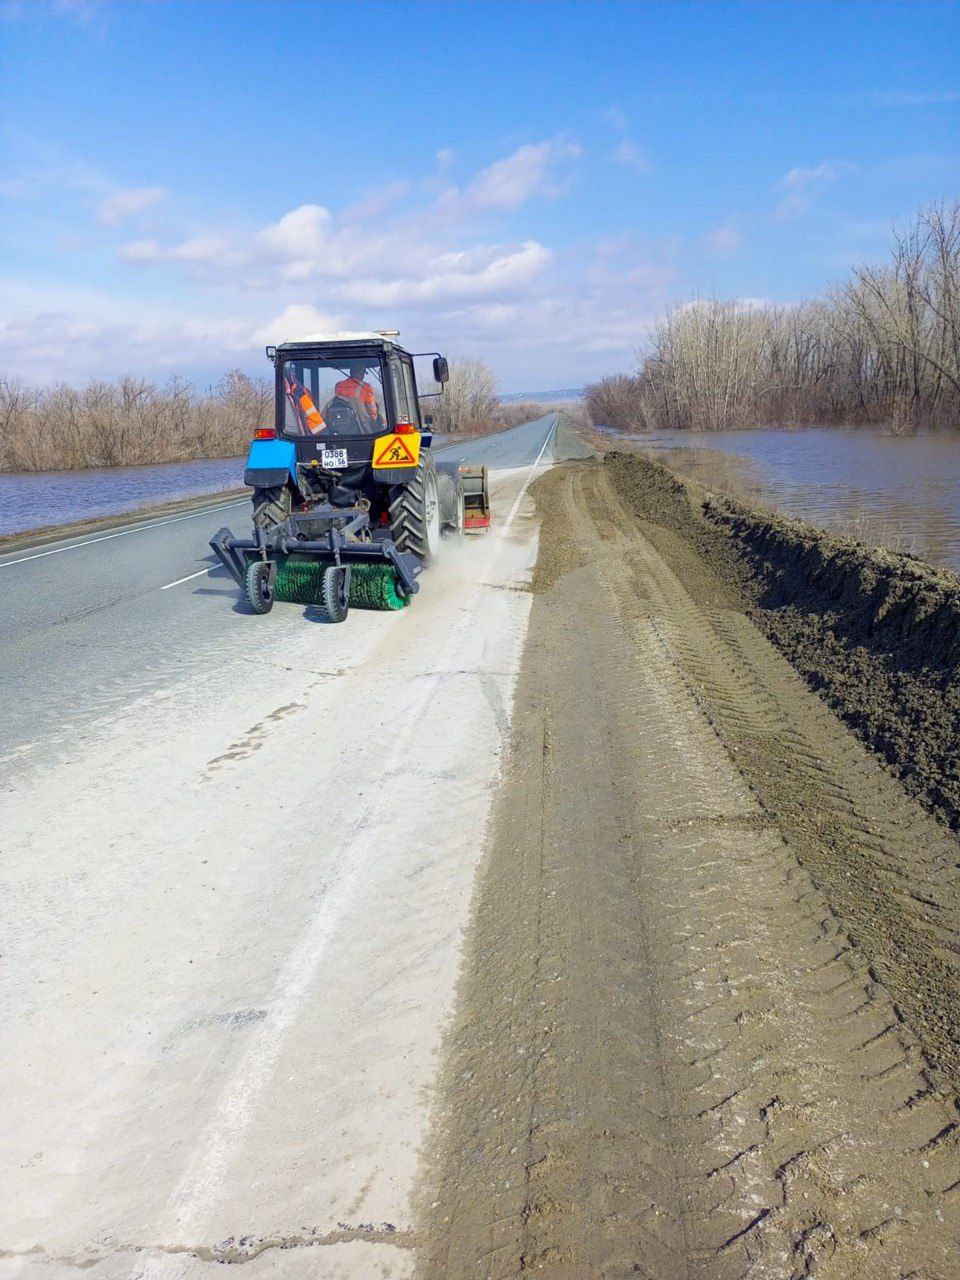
(303, 402)
(355, 389)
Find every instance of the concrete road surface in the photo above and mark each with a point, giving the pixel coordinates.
(237, 858)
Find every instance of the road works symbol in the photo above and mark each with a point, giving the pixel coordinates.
(397, 451)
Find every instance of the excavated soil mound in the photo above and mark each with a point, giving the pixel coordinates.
(875, 633)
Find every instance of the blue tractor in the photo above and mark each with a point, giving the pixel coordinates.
(348, 502)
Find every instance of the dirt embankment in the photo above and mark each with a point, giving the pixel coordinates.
(875, 633)
(708, 1024)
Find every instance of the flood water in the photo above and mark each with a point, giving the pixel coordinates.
(897, 491)
(902, 492)
(59, 497)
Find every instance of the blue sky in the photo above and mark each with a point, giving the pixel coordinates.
(528, 183)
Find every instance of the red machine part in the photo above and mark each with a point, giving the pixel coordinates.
(476, 498)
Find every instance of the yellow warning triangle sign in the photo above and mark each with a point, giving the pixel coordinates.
(397, 451)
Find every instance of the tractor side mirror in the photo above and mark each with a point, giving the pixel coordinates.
(441, 370)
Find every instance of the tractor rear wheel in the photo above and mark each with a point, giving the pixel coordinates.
(456, 528)
(271, 507)
(415, 518)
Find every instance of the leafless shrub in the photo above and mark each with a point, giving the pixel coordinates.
(469, 405)
(884, 346)
(517, 412)
(576, 415)
(469, 401)
(127, 422)
(616, 401)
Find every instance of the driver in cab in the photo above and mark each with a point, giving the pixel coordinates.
(355, 387)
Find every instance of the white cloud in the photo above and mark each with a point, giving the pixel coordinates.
(376, 203)
(299, 320)
(47, 171)
(368, 256)
(83, 11)
(212, 250)
(141, 251)
(535, 315)
(800, 179)
(725, 239)
(127, 202)
(508, 183)
(301, 233)
(627, 153)
(933, 98)
(201, 249)
(616, 119)
(428, 267)
(803, 185)
(62, 345)
(468, 274)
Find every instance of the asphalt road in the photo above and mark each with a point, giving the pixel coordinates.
(238, 856)
(94, 621)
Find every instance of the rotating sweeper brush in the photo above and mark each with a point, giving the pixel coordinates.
(369, 586)
(336, 564)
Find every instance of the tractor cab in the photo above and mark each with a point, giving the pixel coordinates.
(360, 386)
(347, 426)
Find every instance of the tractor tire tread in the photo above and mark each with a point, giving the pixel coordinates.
(407, 517)
(271, 507)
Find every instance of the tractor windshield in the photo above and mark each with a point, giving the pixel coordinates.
(332, 395)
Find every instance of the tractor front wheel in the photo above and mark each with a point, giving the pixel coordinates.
(415, 517)
(271, 507)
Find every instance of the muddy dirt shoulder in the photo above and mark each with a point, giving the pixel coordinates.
(706, 1022)
(875, 633)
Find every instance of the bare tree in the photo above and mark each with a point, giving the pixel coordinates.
(884, 346)
(469, 401)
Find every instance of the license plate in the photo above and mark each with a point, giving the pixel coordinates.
(333, 457)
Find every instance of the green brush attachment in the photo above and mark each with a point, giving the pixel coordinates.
(298, 581)
(372, 586)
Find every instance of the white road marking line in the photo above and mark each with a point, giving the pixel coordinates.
(222, 1139)
(209, 569)
(122, 533)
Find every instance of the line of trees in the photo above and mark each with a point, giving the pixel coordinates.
(130, 421)
(882, 347)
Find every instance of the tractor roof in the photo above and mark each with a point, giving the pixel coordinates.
(334, 339)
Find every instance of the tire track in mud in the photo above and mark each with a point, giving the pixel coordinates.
(674, 1052)
(890, 870)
